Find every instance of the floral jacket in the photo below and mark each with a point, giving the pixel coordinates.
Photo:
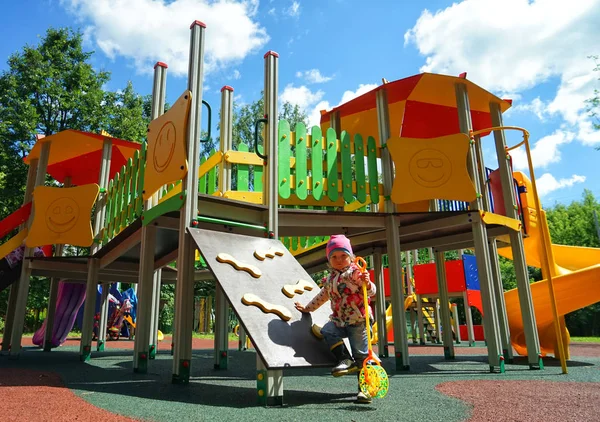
(344, 290)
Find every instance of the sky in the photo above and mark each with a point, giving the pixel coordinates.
(535, 52)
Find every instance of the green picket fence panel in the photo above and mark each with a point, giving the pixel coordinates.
(139, 201)
(301, 154)
(132, 187)
(359, 165)
(346, 158)
(372, 169)
(258, 174)
(211, 180)
(202, 180)
(331, 160)
(283, 159)
(316, 155)
(243, 172)
(108, 210)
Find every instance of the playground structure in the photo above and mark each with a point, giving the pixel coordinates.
(158, 203)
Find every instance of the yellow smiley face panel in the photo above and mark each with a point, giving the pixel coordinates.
(433, 168)
(166, 157)
(62, 215)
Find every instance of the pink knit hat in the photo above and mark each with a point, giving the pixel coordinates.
(338, 242)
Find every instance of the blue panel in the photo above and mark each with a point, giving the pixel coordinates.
(471, 273)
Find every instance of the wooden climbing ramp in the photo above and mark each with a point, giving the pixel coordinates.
(258, 275)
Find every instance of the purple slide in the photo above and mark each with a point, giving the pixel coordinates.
(69, 300)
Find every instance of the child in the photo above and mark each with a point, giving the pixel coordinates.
(11, 264)
(343, 287)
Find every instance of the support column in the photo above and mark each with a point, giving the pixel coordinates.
(270, 382)
(158, 108)
(221, 305)
(420, 323)
(446, 333)
(516, 243)
(184, 289)
(469, 317)
(141, 349)
(456, 322)
(494, 263)
(23, 289)
(392, 237)
(14, 288)
(91, 289)
(102, 317)
(482, 253)
(382, 335)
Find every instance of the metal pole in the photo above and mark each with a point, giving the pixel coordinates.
(494, 258)
(91, 289)
(269, 383)
(469, 317)
(23, 289)
(184, 290)
(158, 109)
(382, 335)
(446, 333)
(221, 345)
(516, 242)
(480, 239)
(14, 289)
(392, 236)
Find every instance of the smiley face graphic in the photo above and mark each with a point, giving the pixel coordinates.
(62, 215)
(430, 168)
(164, 147)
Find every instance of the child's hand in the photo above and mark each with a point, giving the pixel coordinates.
(365, 278)
(300, 307)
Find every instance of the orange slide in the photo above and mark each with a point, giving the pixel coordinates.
(576, 284)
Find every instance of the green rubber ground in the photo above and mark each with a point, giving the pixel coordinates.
(108, 382)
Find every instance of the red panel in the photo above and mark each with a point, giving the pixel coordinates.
(477, 331)
(474, 299)
(455, 275)
(426, 278)
(496, 188)
(386, 280)
(397, 91)
(15, 219)
(423, 120)
(85, 169)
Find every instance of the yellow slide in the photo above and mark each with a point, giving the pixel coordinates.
(576, 283)
(389, 325)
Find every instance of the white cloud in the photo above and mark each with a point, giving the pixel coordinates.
(514, 45)
(293, 10)
(312, 103)
(236, 74)
(313, 76)
(146, 31)
(543, 152)
(547, 183)
(271, 11)
(301, 96)
(536, 106)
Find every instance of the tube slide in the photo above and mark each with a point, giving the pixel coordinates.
(70, 298)
(576, 283)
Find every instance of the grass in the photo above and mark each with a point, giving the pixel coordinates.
(585, 339)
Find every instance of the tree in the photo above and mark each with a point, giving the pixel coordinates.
(593, 104)
(129, 114)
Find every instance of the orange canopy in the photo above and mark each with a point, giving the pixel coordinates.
(78, 155)
(420, 106)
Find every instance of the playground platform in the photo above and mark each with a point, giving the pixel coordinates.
(435, 389)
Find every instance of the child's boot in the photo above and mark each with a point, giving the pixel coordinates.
(361, 397)
(345, 363)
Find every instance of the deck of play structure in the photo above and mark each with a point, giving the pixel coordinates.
(397, 169)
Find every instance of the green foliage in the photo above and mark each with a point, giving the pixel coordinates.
(129, 114)
(574, 224)
(593, 104)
